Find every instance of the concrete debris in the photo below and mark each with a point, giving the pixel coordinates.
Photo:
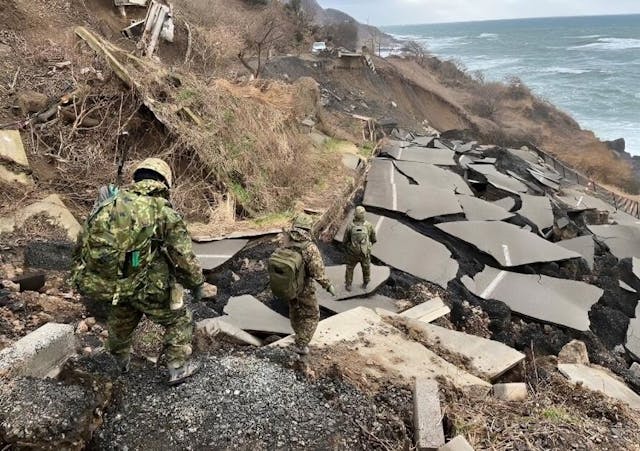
(635, 267)
(511, 392)
(248, 313)
(427, 415)
(579, 201)
(626, 287)
(508, 203)
(485, 358)
(10, 286)
(632, 343)
(476, 209)
(507, 243)
(574, 352)
(379, 275)
(635, 370)
(527, 155)
(434, 177)
(623, 240)
(130, 2)
(158, 23)
(427, 311)
(207, 332)
(424, 141)
(387, 351)
(498, 179)
(542, 179)
(374, 302)
(537, 209)
(40, 353)
(441, 157)
(13, 159)
(458, 443)
(244, 234)
(351, 161)
(213, 254)
(600, 380)
(53, 208)
(583, 245)
(558, 301)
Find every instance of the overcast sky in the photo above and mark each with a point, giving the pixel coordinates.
(397, 12)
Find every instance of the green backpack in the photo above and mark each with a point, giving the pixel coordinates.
(116, 248)
(360, 238)
(287, 272)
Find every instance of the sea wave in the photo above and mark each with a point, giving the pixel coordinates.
(610, 44)
(563, 70)
(488, 35)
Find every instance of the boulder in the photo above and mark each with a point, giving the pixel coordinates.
(574, 352)
(31, 102)
(510, 392)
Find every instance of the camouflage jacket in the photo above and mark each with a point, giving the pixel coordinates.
(176, 261)
(311, 256)
(373, 239)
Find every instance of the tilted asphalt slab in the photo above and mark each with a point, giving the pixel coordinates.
(498, 179)
(433, 176)
(583, 245)
(476, 209)
(558, 301)
(442, 157)
(507, 243)
(248, 313)
(215, 253)
(623, 240)
(537, 209)
(379, 275)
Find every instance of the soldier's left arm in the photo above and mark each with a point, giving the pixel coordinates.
(180, 250)
(315, 266)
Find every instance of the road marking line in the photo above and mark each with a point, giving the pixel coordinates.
(507, 255)
(580, 201)
(394, 193)
(493, 285)
(379, 224)
(392, 174)
(400, 153)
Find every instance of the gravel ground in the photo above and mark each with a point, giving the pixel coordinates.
(248, 400)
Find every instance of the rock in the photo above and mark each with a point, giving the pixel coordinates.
(235, 277)
(104, 334)
(91, 321)
(87, 351)
(82, 328)
(31, 102)
(31, 282)
(574, 352)
(635, 370)
(208, 330)
(458, 443)
(510, 392)
(618, 145)
(52, 207)
(11, 286)
(209, 291)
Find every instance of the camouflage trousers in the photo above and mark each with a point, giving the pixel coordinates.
(352, 262)
(304, 315)
(178, 324)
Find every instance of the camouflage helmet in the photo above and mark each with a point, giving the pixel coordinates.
(303, 221)
(359, 215)
(159, 167)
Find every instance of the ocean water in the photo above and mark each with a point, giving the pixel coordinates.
(587, 66)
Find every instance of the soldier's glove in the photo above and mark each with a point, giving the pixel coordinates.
(332, 290)
(197, 293)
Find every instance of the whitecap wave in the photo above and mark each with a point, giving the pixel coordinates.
(486, 64)
(610, 44)
(488, 35)
(563, 70)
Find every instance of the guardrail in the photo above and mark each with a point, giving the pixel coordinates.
(629, 206)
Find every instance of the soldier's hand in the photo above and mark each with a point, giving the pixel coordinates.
(197, 293)
(332, 290)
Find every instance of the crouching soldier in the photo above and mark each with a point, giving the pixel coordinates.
(359, 238)
(292, 271)
(134, 252)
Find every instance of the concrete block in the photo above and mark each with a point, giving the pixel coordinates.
(459, 443)
(207, 330)
(40, 353)
(635, 369)
(511, 392)
(427, 416)
(427, 311)
(574, 352)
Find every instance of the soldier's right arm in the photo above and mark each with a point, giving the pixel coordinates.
(373, 238)
(180, 250)
(315, 265)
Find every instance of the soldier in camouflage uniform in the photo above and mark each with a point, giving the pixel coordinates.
(304, 312)
(359, 252)
(175, 264)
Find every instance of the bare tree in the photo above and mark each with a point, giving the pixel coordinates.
(261, 37)
(417, 50)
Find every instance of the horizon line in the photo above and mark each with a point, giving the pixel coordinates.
(508, 19)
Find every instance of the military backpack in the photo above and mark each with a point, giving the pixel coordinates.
(287, 272)
(116, 247)
(360, 238)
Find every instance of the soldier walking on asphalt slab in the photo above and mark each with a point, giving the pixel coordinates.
(359, 238)
(293, 270)
(135, 253)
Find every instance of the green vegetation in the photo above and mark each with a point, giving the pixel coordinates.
(558, 415)
(367, 149)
